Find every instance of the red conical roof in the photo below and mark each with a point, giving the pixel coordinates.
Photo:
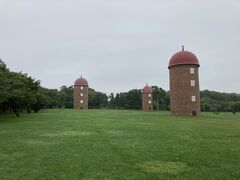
(182, 58)
(81, 82)
(147, 89)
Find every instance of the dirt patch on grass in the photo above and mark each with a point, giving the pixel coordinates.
(164, 167)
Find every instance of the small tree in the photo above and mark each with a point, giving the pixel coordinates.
(235, 108)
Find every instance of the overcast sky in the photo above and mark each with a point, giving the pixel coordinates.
(119, 45)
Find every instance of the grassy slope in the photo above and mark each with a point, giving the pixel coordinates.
(99, 144)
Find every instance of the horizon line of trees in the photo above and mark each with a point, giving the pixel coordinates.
(20, 92)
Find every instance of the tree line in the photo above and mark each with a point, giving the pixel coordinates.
(20, 92)
(212, 101)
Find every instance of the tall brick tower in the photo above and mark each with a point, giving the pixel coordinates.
(81, 93)
(184, 84)
(147, 99)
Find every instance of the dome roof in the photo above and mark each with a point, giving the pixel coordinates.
(147, 89)
(183, 57)
(81, 82)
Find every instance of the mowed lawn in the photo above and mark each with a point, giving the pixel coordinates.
(117, 144)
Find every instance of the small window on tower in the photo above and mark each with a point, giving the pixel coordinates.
(81, 101)
(149, 102)
(191, 70)
(192, 82)
(193, 98)
(150, 95)
(81, 94)
(81, 87)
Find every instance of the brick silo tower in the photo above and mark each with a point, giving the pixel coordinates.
(184, 84)
(147, 99)
(81, 93)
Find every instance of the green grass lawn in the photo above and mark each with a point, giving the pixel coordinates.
(115, 144)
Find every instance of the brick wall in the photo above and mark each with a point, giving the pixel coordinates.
(146, 106)
(78, 97)
(181, 91)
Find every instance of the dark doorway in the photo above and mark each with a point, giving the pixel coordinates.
(81, 107)
(194, 113)
(150, 109)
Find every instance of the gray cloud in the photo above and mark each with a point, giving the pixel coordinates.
(120, 45)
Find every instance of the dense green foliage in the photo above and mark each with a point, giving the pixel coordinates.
(133, 99)
(235, 108)
(97, 99)
(211, 101)
(119, 144)
(219, 102)
(161, 99)
(63, 98)
(126, 100)
(20, 92)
